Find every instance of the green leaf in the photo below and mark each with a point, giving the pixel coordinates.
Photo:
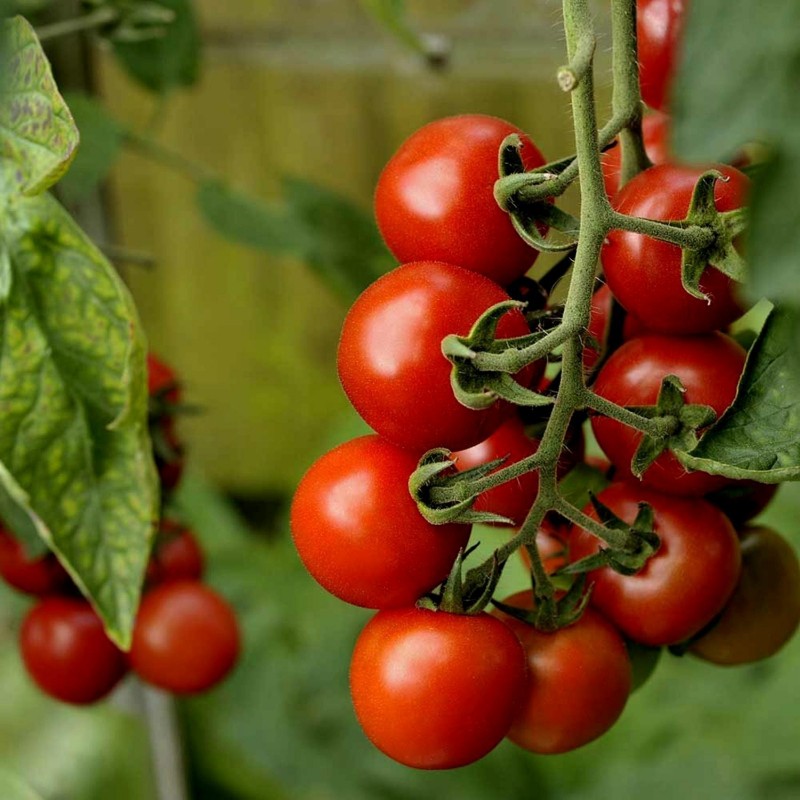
(12, 787)
(161, 63)
(580, 483)
(38, 137)
(391, 14)
(758, 437)
(74, 450)
(734, 87)
(101, 142)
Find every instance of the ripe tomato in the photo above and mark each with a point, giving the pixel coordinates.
(36, 576)
(764, 611)
(435, 202)
(359, 533)
(658, 28)
(684, 585)
(743, 500)
(645, 274)
(186, 638)
(709, 367)
(390, 360)
(434, 690)
(579, 679)
(655, 135)
(176, 555)
(67, 652)
(162, 382)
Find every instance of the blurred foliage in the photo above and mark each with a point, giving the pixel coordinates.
(282, 727)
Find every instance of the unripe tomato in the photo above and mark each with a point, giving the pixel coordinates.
(764, 612)
(645, 273)
(435, 198)
(37, 576)
(390, 355)
(67, 652)
(186, 638)
(435, 690)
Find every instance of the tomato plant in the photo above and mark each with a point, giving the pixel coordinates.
(67, 653)
(579, 679)
(37, 576)
(709, 368)
(658, 26)
(764, 610)
(390, 360)
(186, 638)
(645, 274)
(358, 532)
(176, 555)
(434, 690)
(683, 585)
(434, 200)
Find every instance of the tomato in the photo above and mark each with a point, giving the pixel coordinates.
(359, 533)
(645, 274)
(708, 366)
(434, 690)
(162, 382)
(659, 24)
(186, 638)
(176, 555)
(37, 576)
(683, 585)
(67, 653)
(655, 135)
(390, 360)
(743, 500)
(764, 611)
(579, 679)
(435, 198)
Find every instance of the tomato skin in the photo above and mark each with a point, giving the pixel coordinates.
(67, 653)
(162, 382)
(434, 690)
(435, 198)
(708, 366)
(359, 533)
(35, 576)
(684, 585)
(645, 274)
(186, 638)
(390, 360)
(659, 24)
(655, 135)
(743, 500)
(764, 612)
(176, 555)
(579, 679)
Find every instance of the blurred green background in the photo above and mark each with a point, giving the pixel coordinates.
(315, 89)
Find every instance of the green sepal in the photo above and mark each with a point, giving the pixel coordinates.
(721, 253)
(468, 596)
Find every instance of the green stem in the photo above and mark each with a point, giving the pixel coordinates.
(692, 237)
(617, 539)
(658, 428)
(169, 158)
(96, 19)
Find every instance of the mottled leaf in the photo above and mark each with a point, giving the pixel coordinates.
(38, 136)
(74, 449)
(758, 437)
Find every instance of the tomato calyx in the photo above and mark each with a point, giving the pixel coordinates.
(467, 596)
(532, 217)
(720, 253)
(477, 388)
(680, 422)
(627, 553)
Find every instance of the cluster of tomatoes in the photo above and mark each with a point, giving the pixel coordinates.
(437, 688)
(186, 637)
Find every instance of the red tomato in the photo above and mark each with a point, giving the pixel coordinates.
(579, 679)
(709, 367)
(67, 652)
(655, 135)
(743, 500)
(162, 382)
(37, 576)
(659, 24)
(684, 585)
(434, 690)
(176, 555)
(435, 202)
(764, 612)
(359, 533)
(645, 274)
(186, 638)
(390, 360)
